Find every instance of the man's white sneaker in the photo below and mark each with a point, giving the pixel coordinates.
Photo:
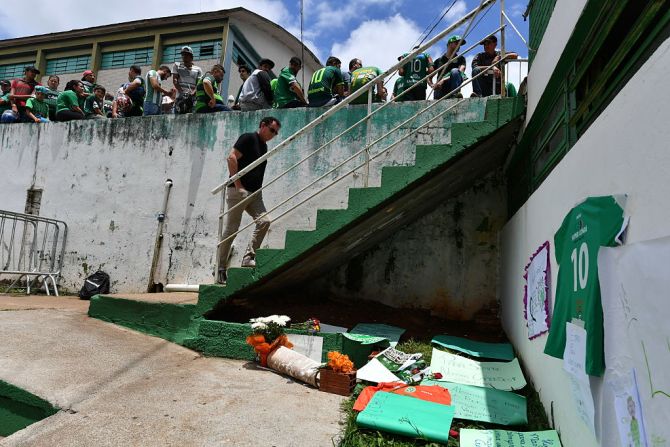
(248, 261)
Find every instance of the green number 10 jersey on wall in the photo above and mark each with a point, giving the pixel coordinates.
(596, 222)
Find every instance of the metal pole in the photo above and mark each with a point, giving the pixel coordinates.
(368, 133)
(503, 89)
(159, 237)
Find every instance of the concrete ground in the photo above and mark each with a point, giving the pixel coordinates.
(117, 387)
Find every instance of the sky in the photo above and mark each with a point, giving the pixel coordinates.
(377, 31)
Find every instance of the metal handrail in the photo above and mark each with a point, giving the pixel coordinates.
(354, 95)
(439, 73)
(356, 154)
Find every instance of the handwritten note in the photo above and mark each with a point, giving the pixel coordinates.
(502, 438)
(536, 299)
(498, 375)
(474, 403)
(574, 363)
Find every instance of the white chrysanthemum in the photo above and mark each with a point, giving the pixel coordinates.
(258, 326)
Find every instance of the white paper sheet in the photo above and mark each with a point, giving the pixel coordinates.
(635, 284)
(574, 363)
(537, 291)
(499, 375)
(375, 372)
(308, 345)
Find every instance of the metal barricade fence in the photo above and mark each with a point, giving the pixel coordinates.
(31, 248)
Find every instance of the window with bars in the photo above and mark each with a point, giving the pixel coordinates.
(241, 58)
(13, 71)
(126, 58)
(71, 64)
(210, 49)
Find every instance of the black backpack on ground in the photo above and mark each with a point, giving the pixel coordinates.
(95, 284)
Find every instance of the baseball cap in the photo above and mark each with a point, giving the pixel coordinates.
(266, 62)
(186, 49)
(456, 38)
(86, 73)
(31, 68)
(41, 89)
(491, 38)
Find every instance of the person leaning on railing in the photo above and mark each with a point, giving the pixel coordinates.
(483, 85)
(453, 75)
(248, 148)
(289, 94)
(360, 77)
(327, 85)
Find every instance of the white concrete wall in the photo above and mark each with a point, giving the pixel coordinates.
(562, 23)
(624, 151)
(274, 49)
(446, 261)
(106, 179)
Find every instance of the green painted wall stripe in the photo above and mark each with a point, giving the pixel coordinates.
(19, 409)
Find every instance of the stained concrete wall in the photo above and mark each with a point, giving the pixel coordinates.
(447, 261)
(620, 153)
(106, 180)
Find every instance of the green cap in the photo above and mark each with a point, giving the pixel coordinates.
(456, 38)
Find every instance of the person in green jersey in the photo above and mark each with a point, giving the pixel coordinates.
(94, 104)
(414, 71)
(70, 103)
(5, 103)
(399, 87)
(155, 92)
(51, 95)
(327, 85)
(207, 96)
(88, 82)
(596, 222)
(36, 108)
(360, 77)
(288, 93)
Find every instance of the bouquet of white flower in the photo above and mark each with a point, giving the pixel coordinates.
(270, 327)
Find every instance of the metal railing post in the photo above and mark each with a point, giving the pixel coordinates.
(368, 133)
(503, 87)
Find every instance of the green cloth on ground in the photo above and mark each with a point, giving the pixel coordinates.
(476, 403)
(385, 331)
(500, 351)
(403, 415)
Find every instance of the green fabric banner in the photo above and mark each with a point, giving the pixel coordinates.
(407, 416)
(500, 351)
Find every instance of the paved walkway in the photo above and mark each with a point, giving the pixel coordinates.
(118, 387)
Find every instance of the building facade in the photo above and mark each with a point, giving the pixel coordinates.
(596, 125)
(228, 37)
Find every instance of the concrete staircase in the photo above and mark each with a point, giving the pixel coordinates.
(440, 171)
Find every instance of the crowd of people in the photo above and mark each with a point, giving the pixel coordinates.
(195, 91)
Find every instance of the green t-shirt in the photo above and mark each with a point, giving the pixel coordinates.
(399, 87)
(51, 97)
(361, 77)
(67, 100)
(416, 69)
(201, 97)
(6, 105)
(283, 93)
(91, 104)
(324, 82)
(593, 223)
(40, 108)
